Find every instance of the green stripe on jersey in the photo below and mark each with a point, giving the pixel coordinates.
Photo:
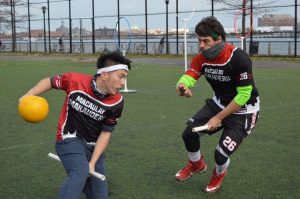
(187, 80)
(244, 94)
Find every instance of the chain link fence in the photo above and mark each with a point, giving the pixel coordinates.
(64, 26)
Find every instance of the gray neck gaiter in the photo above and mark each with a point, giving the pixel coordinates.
(214, 51)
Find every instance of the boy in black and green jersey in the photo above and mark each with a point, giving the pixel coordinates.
(233, 108)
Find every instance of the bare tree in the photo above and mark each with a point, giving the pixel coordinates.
(259, 6)
(8, 14)
(9, 19)
(5, 15)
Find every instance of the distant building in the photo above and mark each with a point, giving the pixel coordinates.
(229, 30)
(274, 29)
(276, 20)
(77, 32)
(104, 32)
(62, 29)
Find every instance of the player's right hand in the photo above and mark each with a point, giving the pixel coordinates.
(182, 90)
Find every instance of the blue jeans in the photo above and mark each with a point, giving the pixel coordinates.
(75, 154)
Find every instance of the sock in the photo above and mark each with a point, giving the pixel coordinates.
(194, 156)
(222, 168)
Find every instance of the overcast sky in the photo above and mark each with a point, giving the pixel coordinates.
(83, 9)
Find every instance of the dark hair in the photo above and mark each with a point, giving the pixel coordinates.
(111, 58)
(210, 26)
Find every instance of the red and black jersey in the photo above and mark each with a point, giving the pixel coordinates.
(232, 68)
(84, 114)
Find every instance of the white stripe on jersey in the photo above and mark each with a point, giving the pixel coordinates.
(249, 108)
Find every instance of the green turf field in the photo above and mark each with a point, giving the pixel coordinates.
(146, 149)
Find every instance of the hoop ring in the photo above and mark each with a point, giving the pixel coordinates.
(129, 34)
(237, 34)
(191, 15)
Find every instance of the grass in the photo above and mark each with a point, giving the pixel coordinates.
(146, 149)
(142, 55)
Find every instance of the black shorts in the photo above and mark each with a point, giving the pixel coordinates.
(235, 127)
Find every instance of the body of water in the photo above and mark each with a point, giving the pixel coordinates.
(270, 46)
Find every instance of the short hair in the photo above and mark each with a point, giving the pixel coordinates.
(111, 58)
(210, 26)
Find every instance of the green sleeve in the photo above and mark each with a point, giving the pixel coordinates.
(243, 94)
(187, 80)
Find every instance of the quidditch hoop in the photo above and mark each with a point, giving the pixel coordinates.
(128, 34)
(235, 22)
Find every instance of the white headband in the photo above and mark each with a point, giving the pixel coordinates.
(112, 68)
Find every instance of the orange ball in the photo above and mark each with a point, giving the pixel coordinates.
(33, 109)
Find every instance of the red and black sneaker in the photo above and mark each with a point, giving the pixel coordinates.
(215, 182)
(191, 168)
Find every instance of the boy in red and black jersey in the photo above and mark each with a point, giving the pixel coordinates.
(84, 114)
(233, 108)
(87, 120)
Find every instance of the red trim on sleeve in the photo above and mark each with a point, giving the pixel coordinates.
(195, 67)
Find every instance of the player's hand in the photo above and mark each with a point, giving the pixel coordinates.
(91, 166)
(182, 90)
(20, 99)
(214, 123)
